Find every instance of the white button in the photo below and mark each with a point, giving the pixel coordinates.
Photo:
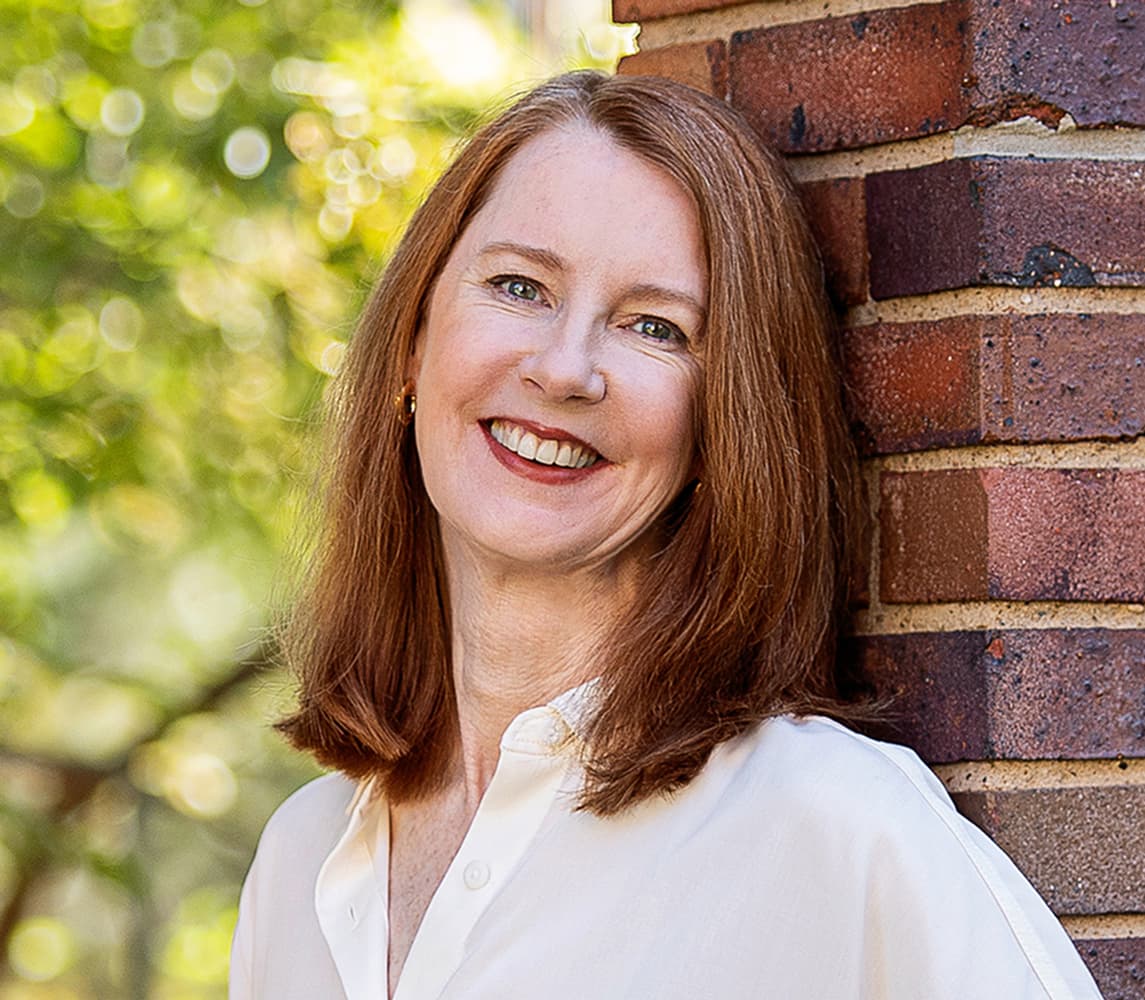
(476, 874)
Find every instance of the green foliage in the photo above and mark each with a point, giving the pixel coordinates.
(192, 199)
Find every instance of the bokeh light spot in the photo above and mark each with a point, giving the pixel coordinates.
(154, 44)
(25, 196)
(106, 160)
(247, 152)
(213, 71)
(208, 602)
(396, 158)
(41, 948)
(307, 136)
(335, 223)
(121, 323)
(40, 500)
(16, 111)
(330, 360)
(191, 101)
(202, 785)
(37, 85)
(96, 718)
(121, 111)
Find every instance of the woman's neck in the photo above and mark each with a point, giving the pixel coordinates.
(520, 638)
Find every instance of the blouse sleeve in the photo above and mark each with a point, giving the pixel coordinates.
(948, 914)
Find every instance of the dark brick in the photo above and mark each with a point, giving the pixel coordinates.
(924, 229)
(1118, 965)
(1011, 695)
(1061, 378)
(702, 65)
(1012, 534)
(933, 536)
(937, 690)
(1094, 859)
(837, 212)
(1058, 693)
(624, 11)
(913, 386)
(1005, 221)
(855, 81)
(1045, 59)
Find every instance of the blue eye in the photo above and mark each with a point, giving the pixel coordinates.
(658, 329)
(517, 287)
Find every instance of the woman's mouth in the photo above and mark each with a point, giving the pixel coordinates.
(542, 450)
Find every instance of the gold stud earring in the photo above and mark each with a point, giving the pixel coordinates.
(405, 402)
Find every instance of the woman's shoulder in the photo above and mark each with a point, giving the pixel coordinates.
(313, 816)
(846, 792)
(819, 758)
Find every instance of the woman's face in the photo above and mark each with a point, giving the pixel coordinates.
(558, 366)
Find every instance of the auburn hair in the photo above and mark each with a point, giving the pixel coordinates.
(745, 595)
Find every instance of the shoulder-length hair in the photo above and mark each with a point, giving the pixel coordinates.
(743, 598)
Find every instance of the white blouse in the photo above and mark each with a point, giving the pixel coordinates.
(804, 862)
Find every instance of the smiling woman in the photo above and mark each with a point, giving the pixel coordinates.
(569, 636)
(568, 315)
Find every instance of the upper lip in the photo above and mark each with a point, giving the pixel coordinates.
(545, 431)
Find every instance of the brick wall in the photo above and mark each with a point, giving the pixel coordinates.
(975, 171)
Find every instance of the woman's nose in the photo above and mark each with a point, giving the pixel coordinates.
(563, 363)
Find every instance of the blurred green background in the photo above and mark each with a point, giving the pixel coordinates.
(194, 197)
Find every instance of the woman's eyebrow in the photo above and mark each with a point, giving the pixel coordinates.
(670, 296)
(546, 258)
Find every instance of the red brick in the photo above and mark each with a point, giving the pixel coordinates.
(1066, 535)
(933, 540)
(1066, 693)
(1061, 378)
(837, 212)
(702, 65)
(970, 379)
(894, 74)
(845, 82)
(1046, 59)
(913, 386)
(1081, 847)
(1010, 695)
(1118, 965)
(1013, 534)
(1006, 221)
(624, 11)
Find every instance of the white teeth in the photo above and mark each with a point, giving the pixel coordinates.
(528, 446)
(546, 451)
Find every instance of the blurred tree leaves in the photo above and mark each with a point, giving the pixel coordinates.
(193, 196)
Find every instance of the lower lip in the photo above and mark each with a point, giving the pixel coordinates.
(551, 474)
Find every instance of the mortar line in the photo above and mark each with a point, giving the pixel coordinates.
(1126, 456)
(997, 300)
(1105, 926)
(975, 616)
(1031, 775)
(1020, 138)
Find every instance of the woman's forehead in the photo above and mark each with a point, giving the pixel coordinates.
(575, 192)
